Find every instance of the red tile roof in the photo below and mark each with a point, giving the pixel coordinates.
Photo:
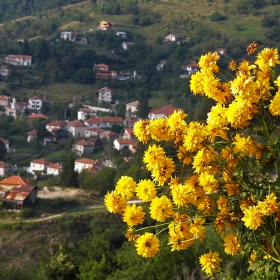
(93, 120)
(4, 97)
(16, 195)
(5, 165)
(32, 132)
(84, 143)
(85, 161)
(129, 130)
(105, 88)
(57, 166)
(35, 116)
(112, 119)
(4, 141)
(166, 110)
(18, 56)
(101, 65)
(77, 123)
(109, 133)
(56, 123)
(36, 97)
(42, 161)
(15, 180)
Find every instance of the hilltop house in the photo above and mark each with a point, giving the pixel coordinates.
(127, 45)
(5, 167)
(39, 165)
(105, 94)
(18, 60)
(86, 146)
(121, 34)
(32, 135)
(4, 100)
(14, 181)
(109, 135)
(6, 143)
(4, 71)
(172, 38)
(105, 25)
(93, 131)
(85, 113)
(77, 128)
(189, 70)
(35, 103)
(84, 163)
(55, 125)
(54, 169)
(163, 112)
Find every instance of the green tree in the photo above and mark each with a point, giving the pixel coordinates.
(68, 176)
(3, 150)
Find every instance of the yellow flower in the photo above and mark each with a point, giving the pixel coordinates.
(267, 58)
(204, 159)
(269, 206)
(163, 174)
(194, 136)
(140, 130)
(208, 182)
(232, 244)
(274, 106)
(114, 202)
(126, 187)
(206, 206)
(196, 83)
(183, 155)
(221, 222)
(217, 117)
(133, 215)
(160, 130)
(244, 145)
(253, 218)
(180, 195)
(197, 229)
(222, 204)
(154, 158)
(131, 235)
(177, 122)
(207, 62)
(146, 190)
(210, 262)
(161, 208)
(147, 245)
(239, 113)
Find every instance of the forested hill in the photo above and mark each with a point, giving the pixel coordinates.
(12, 9)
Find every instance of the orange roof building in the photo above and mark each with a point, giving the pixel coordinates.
(14, 181)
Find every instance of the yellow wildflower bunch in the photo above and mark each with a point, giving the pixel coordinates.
(225, 168)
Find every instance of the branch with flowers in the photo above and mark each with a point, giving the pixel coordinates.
(234, 159)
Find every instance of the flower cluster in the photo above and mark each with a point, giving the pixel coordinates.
(225, 168)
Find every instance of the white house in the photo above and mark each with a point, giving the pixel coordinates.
(83, 163)
(105, 94)
(40, 165)
(163, 112)
(19, 60)
(221, 51)
(67, 35)
(4, 100)
(54, 125)
(4, 71)
(54, 169)
(160, 65)
(6, 143)
(93, 131)
(84, 113)
(190, 69)
(121, 143)
(127, 45)
(77, 128)
(93, 122)
(121, 34)
(32, 135)
(86, 146)
(35, 103)
(5, 167)
(172, 38)
(133, 106)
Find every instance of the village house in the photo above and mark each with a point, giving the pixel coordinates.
(93, 122)
(16, 109)
(36, 116)
(83, 163)
(100, 67)
(6, 143)
(5, 168)
(4, 71)
(163, 112)
(86, 113)
(160, 65)
(172, 38)
(32, 135)
(35, 103)
(220, 51)
(109, 135)
(121, 143)
(39, 165)
(14, 181)
(189, 70)
(54, 169)
(4, 100)
(20, 197)
(19, 60)
(93, 131)
(77, 128)
(127, 45)
(108, 122)
(121, 34)
(67, 35)
(86, 146)
(105, 94)
(129, 134)
(56, 125)
(105, 25)
(133, 107)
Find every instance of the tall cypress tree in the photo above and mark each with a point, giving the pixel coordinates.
(69, 177)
